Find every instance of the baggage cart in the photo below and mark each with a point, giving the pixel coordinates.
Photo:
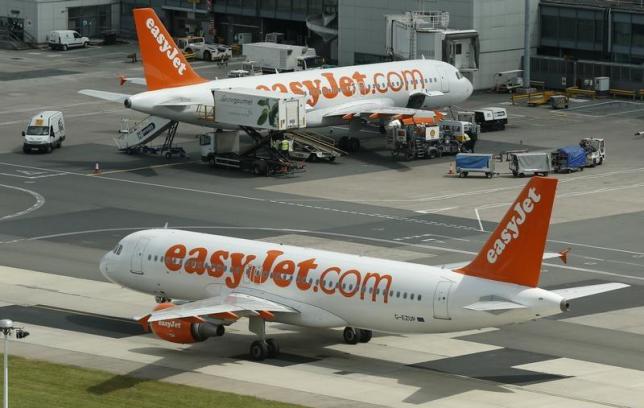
(535, 163)
(568, 159)
(467, 163)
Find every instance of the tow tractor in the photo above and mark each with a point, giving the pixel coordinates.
(595, 150)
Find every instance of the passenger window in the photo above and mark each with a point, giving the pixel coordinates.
(419, 296)
(397, 294)
(149, 257)
(155, 258)
(370, 290)
(411, 296)
(391, 293)
(405, 295)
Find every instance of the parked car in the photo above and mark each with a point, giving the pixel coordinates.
(204, 51)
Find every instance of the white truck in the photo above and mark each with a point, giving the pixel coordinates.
(45, 131)
(204, 51)
(273, 57)
(259, 109)
(491, 118)
(65, 39)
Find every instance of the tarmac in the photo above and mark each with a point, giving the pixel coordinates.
(57, 218)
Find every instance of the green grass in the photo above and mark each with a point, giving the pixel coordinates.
(39, 384)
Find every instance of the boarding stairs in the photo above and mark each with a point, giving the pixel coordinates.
(317, 141)
(12, 41)
(143, 132)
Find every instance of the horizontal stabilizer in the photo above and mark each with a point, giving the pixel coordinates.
(493, 305)
(107, 96)
(582, 291)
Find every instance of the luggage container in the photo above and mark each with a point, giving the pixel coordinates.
(537, 163)
(568, 159)
(467, 163)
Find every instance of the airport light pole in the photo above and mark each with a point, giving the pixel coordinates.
(526, 47)
(7, 327)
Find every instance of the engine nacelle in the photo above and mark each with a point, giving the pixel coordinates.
(184, 330)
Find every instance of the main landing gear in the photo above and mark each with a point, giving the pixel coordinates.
(162, 298)
(261, 348)
(354, 336)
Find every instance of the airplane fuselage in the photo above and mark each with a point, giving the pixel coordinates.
(391, 84)
(327, 289)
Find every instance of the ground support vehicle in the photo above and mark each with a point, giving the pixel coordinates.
(256, 108)
(45, 131)
(273, 57)
(467, 163)
(203, 51)
(411, 142)
(491, 118)
(222, 149)
(65, 39)
(595, 151)
(536, 163)
(559, 102)
(312, 146)
(568, 159)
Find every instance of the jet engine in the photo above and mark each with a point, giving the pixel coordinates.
(184, 330)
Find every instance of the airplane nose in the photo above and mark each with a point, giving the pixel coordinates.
(104, 268)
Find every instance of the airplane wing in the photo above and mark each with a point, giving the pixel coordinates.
(234, 302)
(374, 109)
(108, 96)
(563, 255)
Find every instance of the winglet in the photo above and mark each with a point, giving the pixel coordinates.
(164, 64)
(563, 255)
(143, 321)
(513, 252)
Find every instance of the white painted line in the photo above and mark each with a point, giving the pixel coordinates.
(40, 201)
(478, 217)
(434, 210)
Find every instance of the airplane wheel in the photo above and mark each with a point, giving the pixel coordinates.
(273, 348)
(221, 329)
(364, 335)
(258, 350)
(350, 335)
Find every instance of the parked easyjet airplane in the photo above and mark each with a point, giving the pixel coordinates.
(222, 279)
(335, 96)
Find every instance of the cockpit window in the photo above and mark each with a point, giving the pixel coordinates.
(459, 75)
(117, 249)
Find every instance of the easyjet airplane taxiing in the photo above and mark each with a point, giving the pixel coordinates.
(219, 280)
(334, 96)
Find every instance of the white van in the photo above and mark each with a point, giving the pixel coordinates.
(491, 118)
(64, 39)
(46, 130)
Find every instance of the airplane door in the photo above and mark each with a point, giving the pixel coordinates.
(136, 262)
(444, 82)
(441, 300)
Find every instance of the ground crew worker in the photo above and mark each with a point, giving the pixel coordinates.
(285, 145)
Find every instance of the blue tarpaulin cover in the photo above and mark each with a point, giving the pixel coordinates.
(576, 156)
(473, 161)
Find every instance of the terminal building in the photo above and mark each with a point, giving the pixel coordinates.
(581, 40)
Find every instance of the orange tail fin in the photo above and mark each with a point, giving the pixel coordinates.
(514, 251)
(163, 62)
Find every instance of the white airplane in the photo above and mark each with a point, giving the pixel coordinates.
(334, 96)
(222, 279)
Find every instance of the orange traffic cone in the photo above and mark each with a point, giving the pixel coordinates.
(97, 169)
(451, 171)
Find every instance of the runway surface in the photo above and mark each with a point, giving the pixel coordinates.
(57, 218)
